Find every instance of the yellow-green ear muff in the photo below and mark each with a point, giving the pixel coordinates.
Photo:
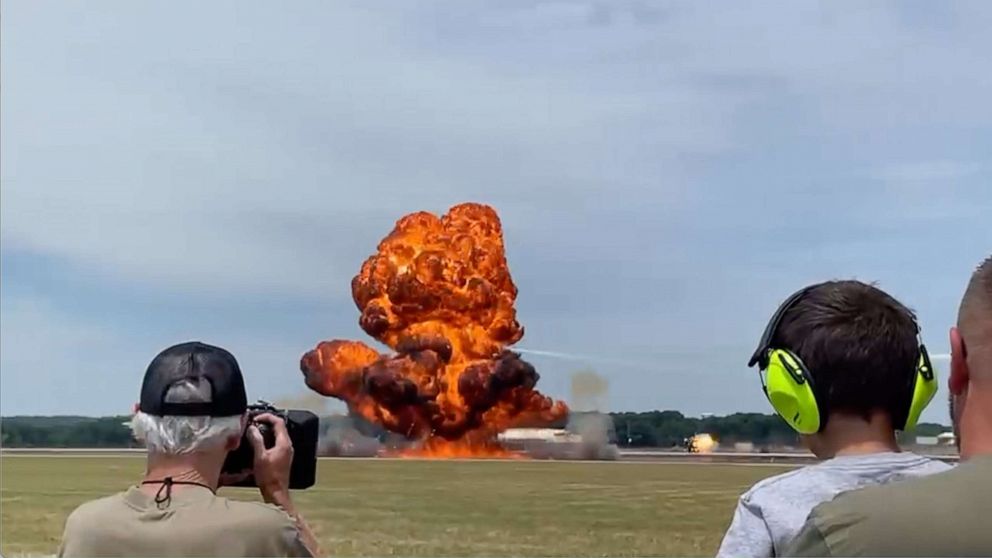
(790, 391)
(924, 388)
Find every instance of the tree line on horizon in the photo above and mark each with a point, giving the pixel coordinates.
(662, 429)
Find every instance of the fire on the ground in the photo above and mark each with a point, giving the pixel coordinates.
(701, 443)
(438, 292)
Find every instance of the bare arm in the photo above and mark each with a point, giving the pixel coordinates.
(306, 535)
(272, 476)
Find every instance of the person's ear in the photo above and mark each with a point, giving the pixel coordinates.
(134, 410)
(233, 443)
(957, 382)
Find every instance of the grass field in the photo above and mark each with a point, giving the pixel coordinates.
(418, 508)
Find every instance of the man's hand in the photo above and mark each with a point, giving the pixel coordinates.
(272, 474)
(272, 465)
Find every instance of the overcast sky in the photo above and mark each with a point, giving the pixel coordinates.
(666, 173)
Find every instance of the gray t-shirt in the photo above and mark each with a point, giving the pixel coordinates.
(773, 511)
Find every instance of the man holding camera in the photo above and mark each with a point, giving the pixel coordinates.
(192, 413)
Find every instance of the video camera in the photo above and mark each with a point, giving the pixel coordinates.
(304, 431)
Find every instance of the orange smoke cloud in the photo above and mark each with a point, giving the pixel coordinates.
(439, 293)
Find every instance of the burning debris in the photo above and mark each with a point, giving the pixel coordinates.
(701, 443)
(439, 293)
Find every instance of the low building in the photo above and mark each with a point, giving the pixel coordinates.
(946, 439)
(516, 436)
(557, 443)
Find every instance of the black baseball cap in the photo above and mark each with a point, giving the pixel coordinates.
(197, 362)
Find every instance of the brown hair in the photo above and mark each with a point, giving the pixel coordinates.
(858, 343)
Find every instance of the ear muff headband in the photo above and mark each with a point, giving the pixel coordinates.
(760, 355)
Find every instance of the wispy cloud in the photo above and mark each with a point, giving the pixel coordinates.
(665, 175)
(928, 171)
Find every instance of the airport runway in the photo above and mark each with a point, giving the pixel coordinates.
(626, 456)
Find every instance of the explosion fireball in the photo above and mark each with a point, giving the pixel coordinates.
(439, 293)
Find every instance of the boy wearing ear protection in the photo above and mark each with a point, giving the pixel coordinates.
(843, 364)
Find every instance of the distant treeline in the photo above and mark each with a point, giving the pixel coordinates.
(645, 429)
(65, 432)
(671, 428)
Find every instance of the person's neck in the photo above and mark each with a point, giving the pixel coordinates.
(189, 468)
(976, 424)
(853, 435)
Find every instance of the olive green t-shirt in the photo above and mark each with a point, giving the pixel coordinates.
(946, 514)
(194, 522)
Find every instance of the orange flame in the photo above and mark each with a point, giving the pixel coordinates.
(439, 293)
(439, 448)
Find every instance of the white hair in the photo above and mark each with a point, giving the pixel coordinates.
(178, 435)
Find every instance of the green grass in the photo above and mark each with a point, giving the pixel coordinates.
(418, 508)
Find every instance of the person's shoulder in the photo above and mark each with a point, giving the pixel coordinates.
(884, 502)
(943, 514)
(826, 474)
(796, 479)
(95, 510)
(87, 521)
(928, 465)
(259, 511)
(256, 516)
(264, 528)
(886, 519)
